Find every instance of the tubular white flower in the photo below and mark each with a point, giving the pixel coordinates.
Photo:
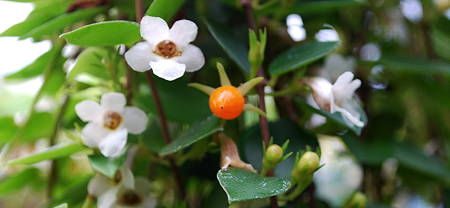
(337, 97)
(109, 123)
(126, 192)
(167, 52)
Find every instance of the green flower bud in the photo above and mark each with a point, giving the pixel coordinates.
(358, 200)
(274, 153)
(308, 163)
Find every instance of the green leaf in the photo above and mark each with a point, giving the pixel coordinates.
(39, 125)
(17, 181)
(310, 7)
(440, 36)
(241, 185)
(414, 64)
(299, 56)
(336, 117)
(34, 69)
(62, 206)
(90, 61)
(105, 165)
(237, 51)
(164, 9)
(58, 151)
(107, 33)
(194, 134)
(8, 129)
(59, 23)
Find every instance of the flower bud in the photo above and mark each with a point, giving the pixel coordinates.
(308, 163)
(274, 153)
(358, 200)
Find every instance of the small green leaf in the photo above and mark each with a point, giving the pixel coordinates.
(105, 165)
(51, 153)
(194, 134)
(17, 181)
(59, 23)
(164, 9)
(230, 44)
(336, 117)
(34, 69)
(90, 61)
(107, 33)
(299, 56)
(241, 185)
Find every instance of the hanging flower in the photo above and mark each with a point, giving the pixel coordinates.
(167, 52)
(122, 191)
(109, 123)
(337, 97)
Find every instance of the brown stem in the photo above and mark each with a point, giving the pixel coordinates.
(139, 7)
(53, 175)
(263, 123)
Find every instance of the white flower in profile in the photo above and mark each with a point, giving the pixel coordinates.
(109, 123)
(337, 97)
(167, 52)
(124, 191)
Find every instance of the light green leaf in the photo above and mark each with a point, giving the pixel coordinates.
(230, 44)
(90, 61)
(194, 134)
(17, 181)
(164, 9)
(299, 56)
(8, 129)
(39, 125)
(59, 23)
(414, 65)
(107, 33)
(105, 165)
(58, 151)
(241, 185)
(336, 117)
(34, 69)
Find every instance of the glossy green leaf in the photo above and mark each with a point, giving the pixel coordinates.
(17, 181)
(335, 117)
(59, 23)
(235, 49)
(241, 185)
(108, 33)
(164, 9)
(414, 65)
(34, 69)
(299, 56)
(105, 165)
(58, 151)
(194, 134)
(90, 61)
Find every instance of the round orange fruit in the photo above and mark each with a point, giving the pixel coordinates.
(226, 102)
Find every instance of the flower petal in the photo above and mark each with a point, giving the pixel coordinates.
(87, 110)
(139, 57)
(108, 199)
(127, 177)
(135, 120)
(99, 184)
(344, 87)
(113, 101)
(321, 91)
(114, 144)
(192, 57)
(348, 116)
(154, 30)
(183, 32)
(92, 134)
(168, 69)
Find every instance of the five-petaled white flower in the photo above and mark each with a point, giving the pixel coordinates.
(124, 191)
(109, 123)
(167, 52)
(337, 97)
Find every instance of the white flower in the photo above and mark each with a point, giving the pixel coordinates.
(167, 52)
(124, 191)
(335, 65)
(337, 97)
(109, 123)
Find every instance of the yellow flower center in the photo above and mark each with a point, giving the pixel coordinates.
(167, 49)
(111, 120)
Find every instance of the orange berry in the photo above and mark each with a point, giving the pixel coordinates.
(226, 102)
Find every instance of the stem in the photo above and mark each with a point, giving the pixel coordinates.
(53, 176)
(263, 123)
(88, 201)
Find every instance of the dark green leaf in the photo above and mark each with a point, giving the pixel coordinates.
(105, 165)
(59, 23)
(18, 181)
(164, 9)
(235, 49)
(107, 33)
(54, 152)
(194, 134)
(241, 185)
(299, 56)
(414, 65)
(307, 7)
